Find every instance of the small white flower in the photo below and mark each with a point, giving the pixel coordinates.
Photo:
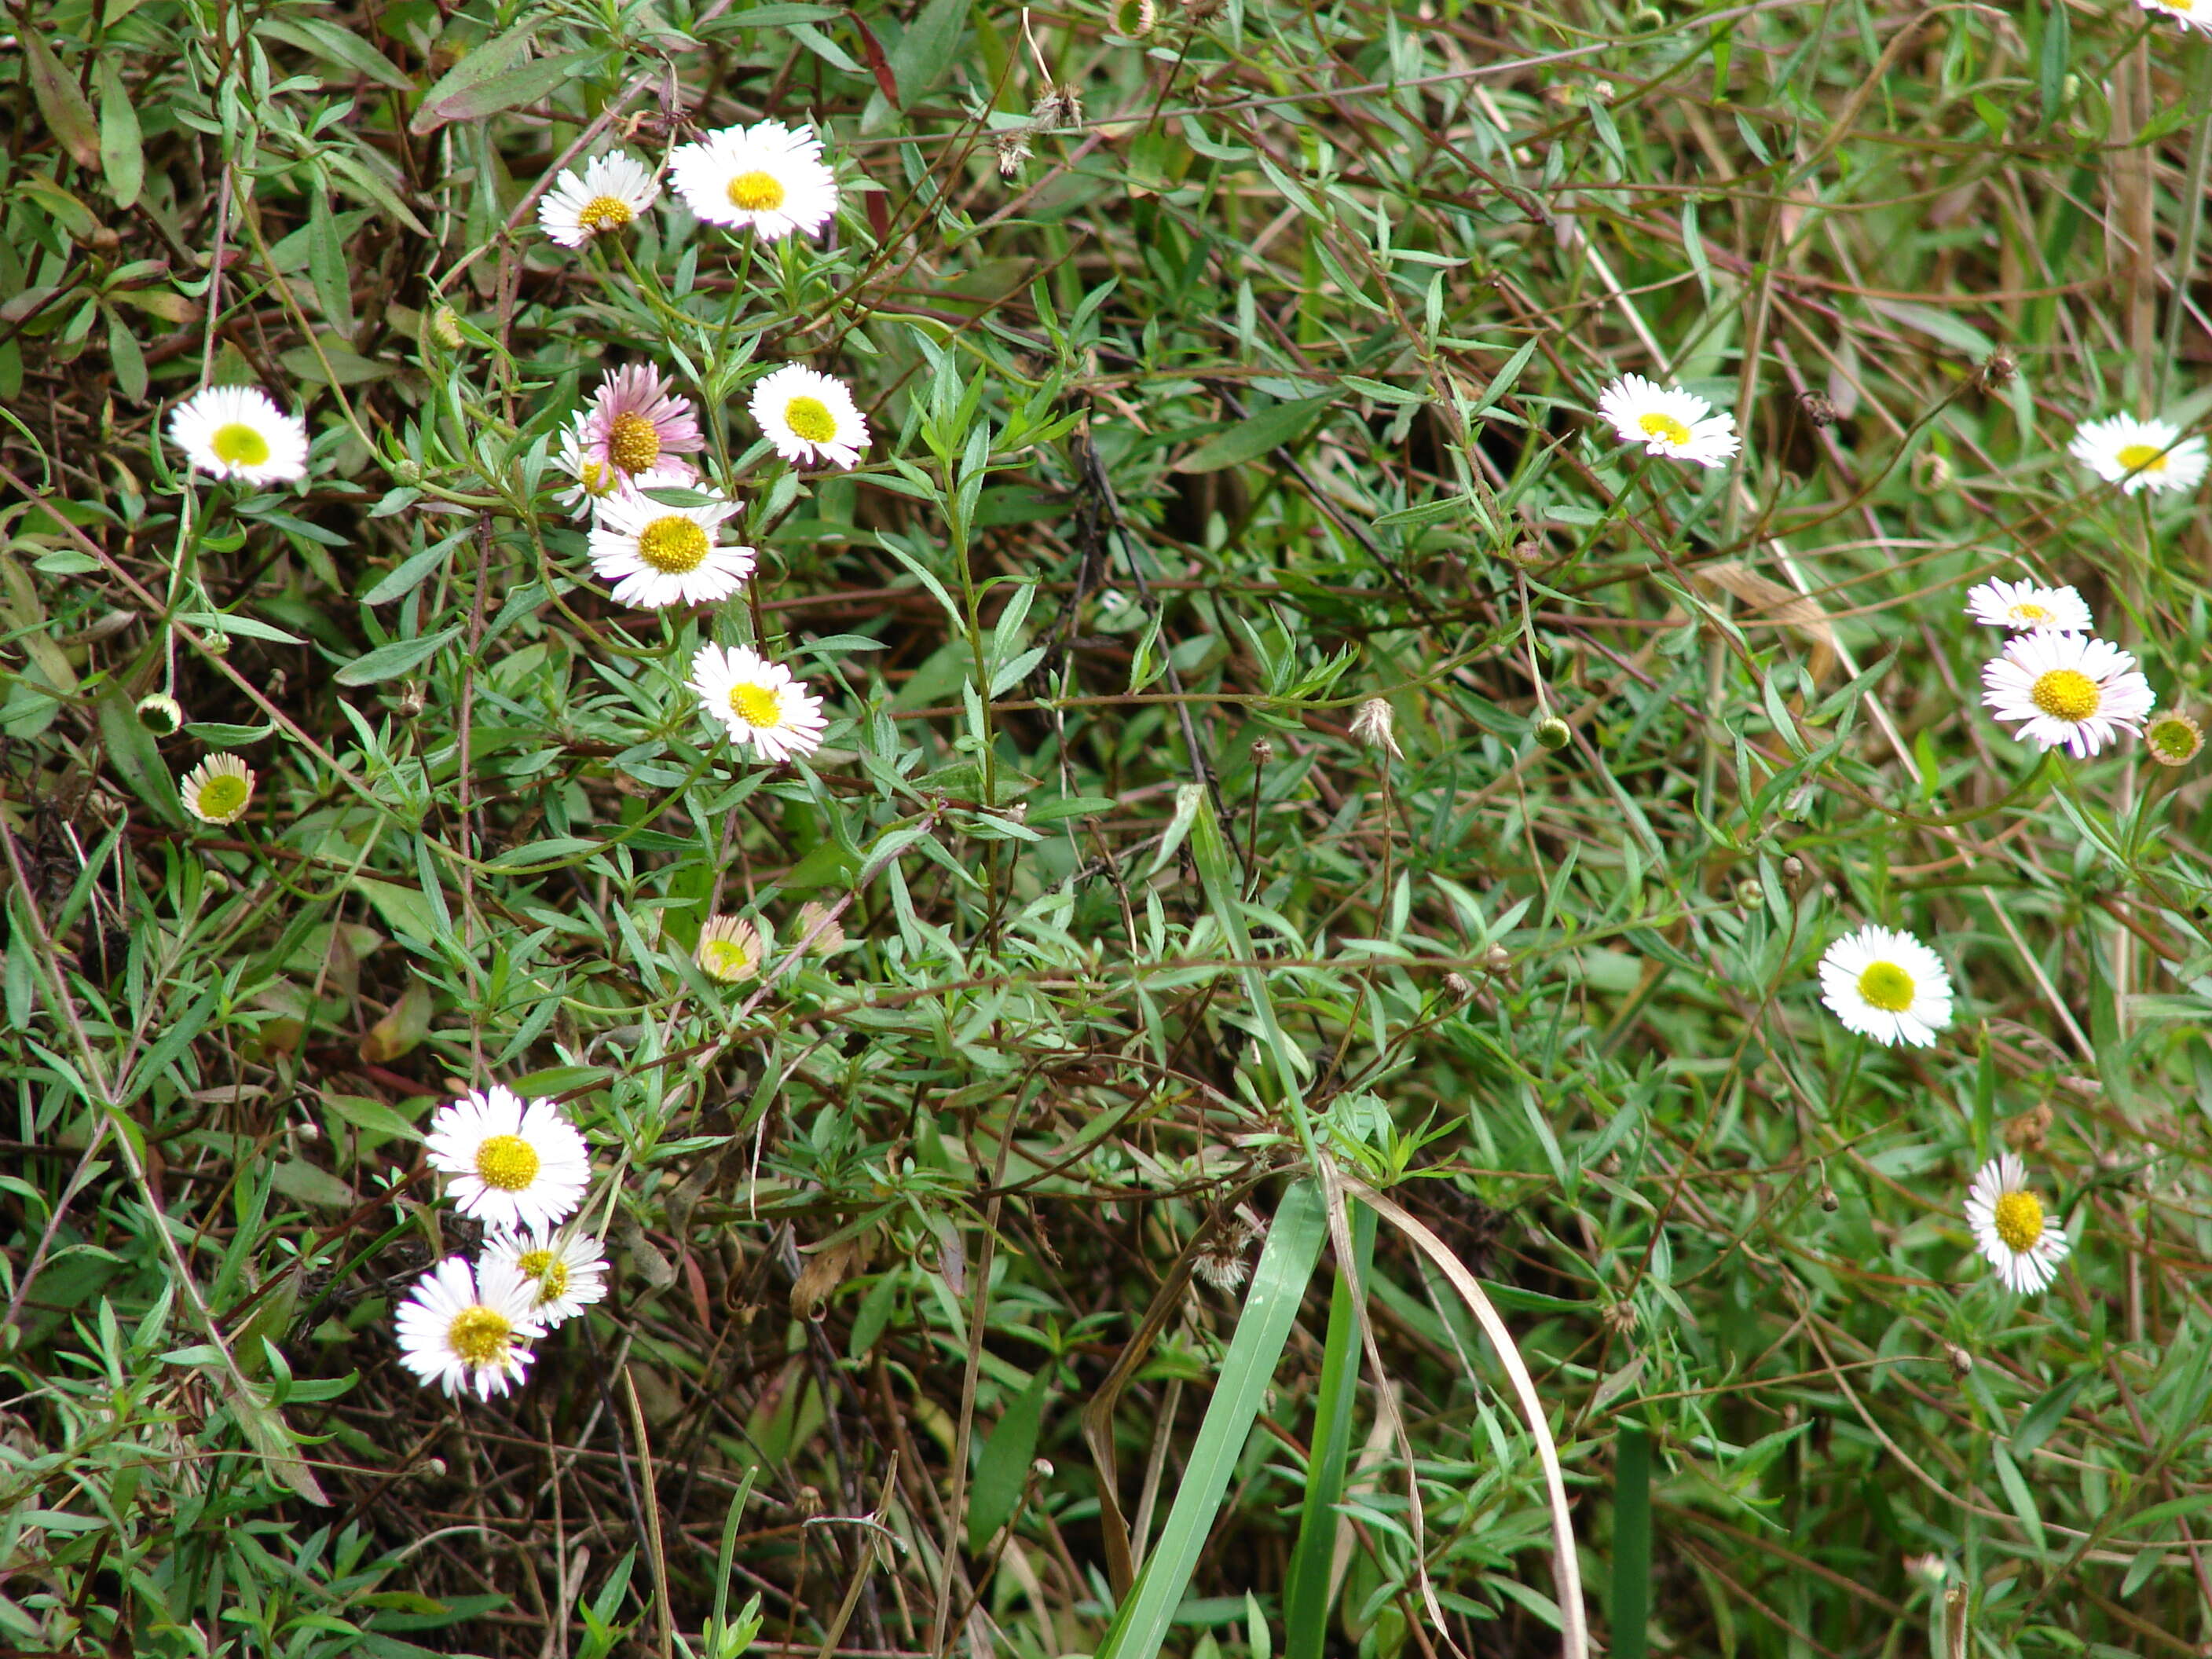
(2139, 454)
(514, 1163)
(2068, 689)
(219, 789)
(1669, 420)
(1886, 985)
(656, 554)
(466, 1329)
(768, 176)
(2195, 13)
(236, 432)
(2025, 607)
(730, 948)
(2010, 1227)
(565, 1271)
(758, 701)
(610, 192)
(809, 417)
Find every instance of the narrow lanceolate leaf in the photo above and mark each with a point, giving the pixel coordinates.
(60, 100)
(122, 157)
(1279, 1285)
(1306, 1592)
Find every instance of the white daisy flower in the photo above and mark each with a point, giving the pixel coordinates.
(2139, 454)
(467, 1328)
(236, 432)
(514, 1163)
(219, 789)
(656, 554)
(768, 176)
(565, 1271)
(2068, 689)
(1886, 985)
(594, 479)
(809, 417)
(2010, 1227)
(1669, 420)
(2196, 15)
(758, 701)
(730, 948)
(2025, 607)
(609, 192)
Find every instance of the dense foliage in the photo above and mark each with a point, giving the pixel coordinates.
(1319, 860)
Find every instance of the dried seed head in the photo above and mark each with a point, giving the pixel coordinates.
(1461, 987)
(1057, 105)
(1998, 369)
(1263, 752)
(1371, 725)
(2027, 1132)
(810, 1502)
(1620, 1317)
(1013, 147)
(1818, 410)
(830, 939)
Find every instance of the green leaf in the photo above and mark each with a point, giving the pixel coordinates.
(122, 157)
(1003, 1468)
(2018, 1495)
(1305, 1590)
(1249, 440)
(60, 100)
(1263, 1327)
(389, 662)
(134, 756)
(496, 76)
(1632, 1541)
(328, 267)
(920, 59)
(245, 628)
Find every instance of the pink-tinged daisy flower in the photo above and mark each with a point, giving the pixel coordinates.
(634, 423)
(767, 176)
(469, 1329)
(2197, 13)
(2067, 689)
(658, 554)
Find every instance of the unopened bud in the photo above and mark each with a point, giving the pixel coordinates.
(830, 939)
(1829, 1201)
(1998, 369)
(1929, 1569)
(1792, 867)
(1554, 733)
(1526, 551)
(215, 642)
(1371, 725)
(445, 323)
(161, 714)
(1749, 895)
(1497, 959)
(408, 472)
(411, 701)
(1961, 1361)
(1461, 987)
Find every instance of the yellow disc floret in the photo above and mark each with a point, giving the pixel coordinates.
(2148, 457)
(756, 705)
(1885, 985)
(2066, 693)
(674, 545)
(604, 213)
(632, 442)
(1656, 425)
(809, 417)
(240, 444)
(480, 1335)
(507, 1163)
(756, 192)
(2019, 1218)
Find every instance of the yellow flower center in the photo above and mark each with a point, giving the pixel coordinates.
(223, 797)
(2148, 457)
(238, 445)
(726, 958)
(1657, 425)
(674, 545)
(809, 417)
(756, 705)
(480, 1335)
(2066, 693)
(2019, 1217)
(632, 442)
(507, 1162)
(756, 192)
(604, 213)
(2028, 614)
(1887, 986)
(548, 1270)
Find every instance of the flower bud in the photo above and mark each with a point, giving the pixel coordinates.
(411, 701)
(161, 714)
(1554, 733)
(1998, 369)
(1961, 1361)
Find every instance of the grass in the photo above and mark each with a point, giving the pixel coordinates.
(1150, 1221)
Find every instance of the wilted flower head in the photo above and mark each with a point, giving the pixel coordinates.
(2173, 739)
(1371, 725)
